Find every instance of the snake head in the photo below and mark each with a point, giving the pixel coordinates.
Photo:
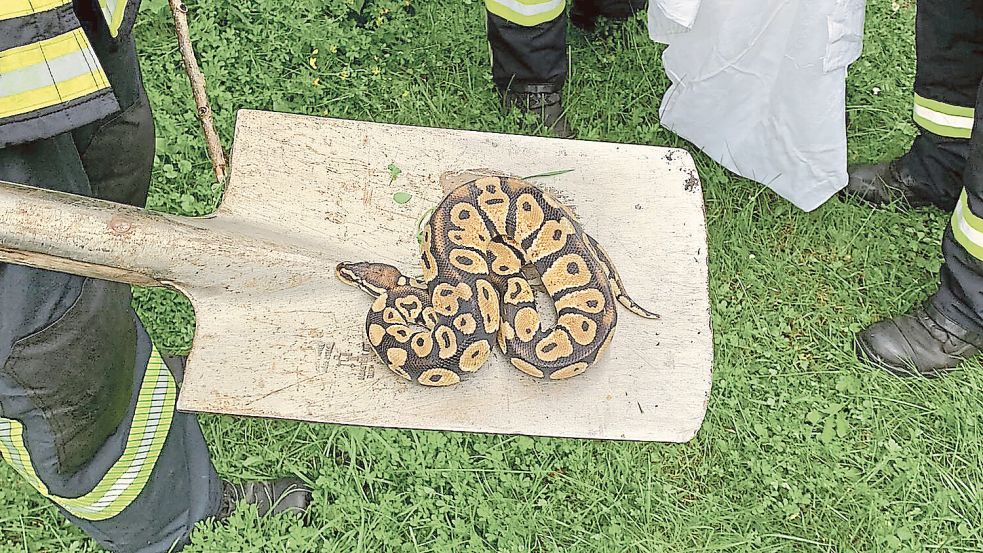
(373, 278)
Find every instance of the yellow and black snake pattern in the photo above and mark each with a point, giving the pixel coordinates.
(473, 294)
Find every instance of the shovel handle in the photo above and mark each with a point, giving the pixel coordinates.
(89, 237)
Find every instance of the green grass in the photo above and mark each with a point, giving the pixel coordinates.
(803, 449)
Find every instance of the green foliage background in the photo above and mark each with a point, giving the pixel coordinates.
(803, 449)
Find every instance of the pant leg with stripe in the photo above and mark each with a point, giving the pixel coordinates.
(949, 40)
(87, 411)
(528, 43)
(960, 295)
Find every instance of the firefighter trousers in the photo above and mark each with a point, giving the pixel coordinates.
(947, 155)
(528, 38)
(87, 411)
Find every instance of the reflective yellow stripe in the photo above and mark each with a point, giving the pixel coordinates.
(943, 107)
(65, 91)
(113, 11)
(10, 9)
(46, 50)
(526, 12)
(53, 83)
(13, 451)
(130, 473)
(943, 119)
(968, 228)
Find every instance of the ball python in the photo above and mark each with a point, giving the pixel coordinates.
(440, 328)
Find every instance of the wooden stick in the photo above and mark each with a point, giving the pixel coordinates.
(212, 141)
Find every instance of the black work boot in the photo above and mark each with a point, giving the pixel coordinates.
(285, 495)
(923, 342)
(883, 183)
(584, 13)
(545, 102)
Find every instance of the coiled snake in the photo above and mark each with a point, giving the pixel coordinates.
(435, 330)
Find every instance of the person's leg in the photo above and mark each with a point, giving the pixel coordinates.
(86, 408)
(529, 56)
(949, 42)
(87, 405)
(960, 296)
(949, 327)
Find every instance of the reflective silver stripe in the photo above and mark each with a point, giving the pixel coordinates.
(942, 118)
(46, 74)
(946, 120)
(41, 63)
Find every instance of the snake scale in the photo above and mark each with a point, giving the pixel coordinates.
(473, 293)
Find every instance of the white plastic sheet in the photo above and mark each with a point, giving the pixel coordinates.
(760, 86)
